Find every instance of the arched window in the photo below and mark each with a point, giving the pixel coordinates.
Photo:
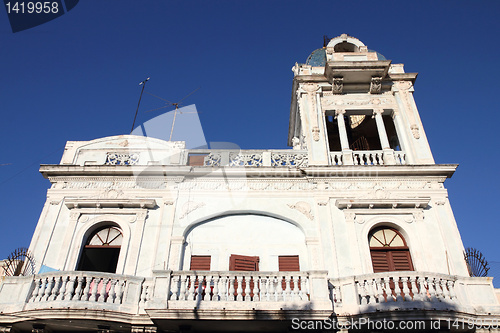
(389, 251)
(101, 251)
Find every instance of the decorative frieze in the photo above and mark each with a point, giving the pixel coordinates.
(122, 158)
(350, 102)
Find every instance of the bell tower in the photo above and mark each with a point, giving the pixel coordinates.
(351, 106)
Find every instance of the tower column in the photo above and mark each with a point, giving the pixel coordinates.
(384, 141)
(344, 142)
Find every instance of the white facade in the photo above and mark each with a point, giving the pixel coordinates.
(360, 162)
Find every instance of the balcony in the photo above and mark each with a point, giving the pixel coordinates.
(167, 290)
(399, 291)
(168, 297)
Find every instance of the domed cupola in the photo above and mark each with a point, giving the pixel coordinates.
(317, 58)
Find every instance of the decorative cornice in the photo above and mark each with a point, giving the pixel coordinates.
(110, 203)
(382, 203)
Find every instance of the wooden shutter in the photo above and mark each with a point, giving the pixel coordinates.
(243, 263)
(196, 159)
(288, 263)
(380, 261)
(200, 263)
(401, 260)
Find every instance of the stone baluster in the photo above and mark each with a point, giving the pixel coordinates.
(70, 288)
(304, 281)
(451, 288)
(256, 289)
(36, 290)
(48, 288)
(182, 293)
(215, 291)
(444, 288)
(62, 289)
(224, 288)
(287, 292)
(86, 290)
(379, 290)
(398, 289)
(78, 291)
(295, 290)
(199, 292)
(406, 291)
(414, 288)
(103, 294)
(272, 290)
(439, 291)
(120, 291)
(239, 290)
(420, 293)
(370, 291)
(230, 296)
(94, 288)
(361, 292)
(248, 280)
(190, 295)
(55, 288)
(388, 290)
(431, 289)
(175, 288)
(112, 292)
(264, 294)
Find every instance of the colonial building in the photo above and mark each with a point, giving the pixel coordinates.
(350, 226)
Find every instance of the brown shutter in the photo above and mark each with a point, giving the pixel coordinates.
(200, 263)
(243, 263)
(380, 261)
(401, 260)
(196, 159)
(288, 263)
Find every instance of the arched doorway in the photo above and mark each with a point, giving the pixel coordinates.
(389, 250)
(101, 250)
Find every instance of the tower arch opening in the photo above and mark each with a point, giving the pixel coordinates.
(102, 249)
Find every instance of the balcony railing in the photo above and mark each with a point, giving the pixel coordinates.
(385, 291)
(306, 290)
(240, 286)
(258, 158)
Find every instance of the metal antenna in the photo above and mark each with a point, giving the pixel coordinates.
(176, 105)
(143, 83)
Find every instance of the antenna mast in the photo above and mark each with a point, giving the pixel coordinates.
(143, 83)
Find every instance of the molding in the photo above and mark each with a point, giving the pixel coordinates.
(382, 203)
(407, 215)
(110, 203)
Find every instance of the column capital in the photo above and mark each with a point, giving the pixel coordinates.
(339, 112)
(378, 111)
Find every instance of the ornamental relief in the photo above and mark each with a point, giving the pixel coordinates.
(114, 189)
(361, 216)
(189, 207)
(340, 101)
(304, 208)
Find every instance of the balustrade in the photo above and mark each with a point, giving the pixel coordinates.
(239, 286)
(399, 288)
(78, 287)
(374, 157)
(275, 158)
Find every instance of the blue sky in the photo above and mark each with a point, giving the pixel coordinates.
(76, 78)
